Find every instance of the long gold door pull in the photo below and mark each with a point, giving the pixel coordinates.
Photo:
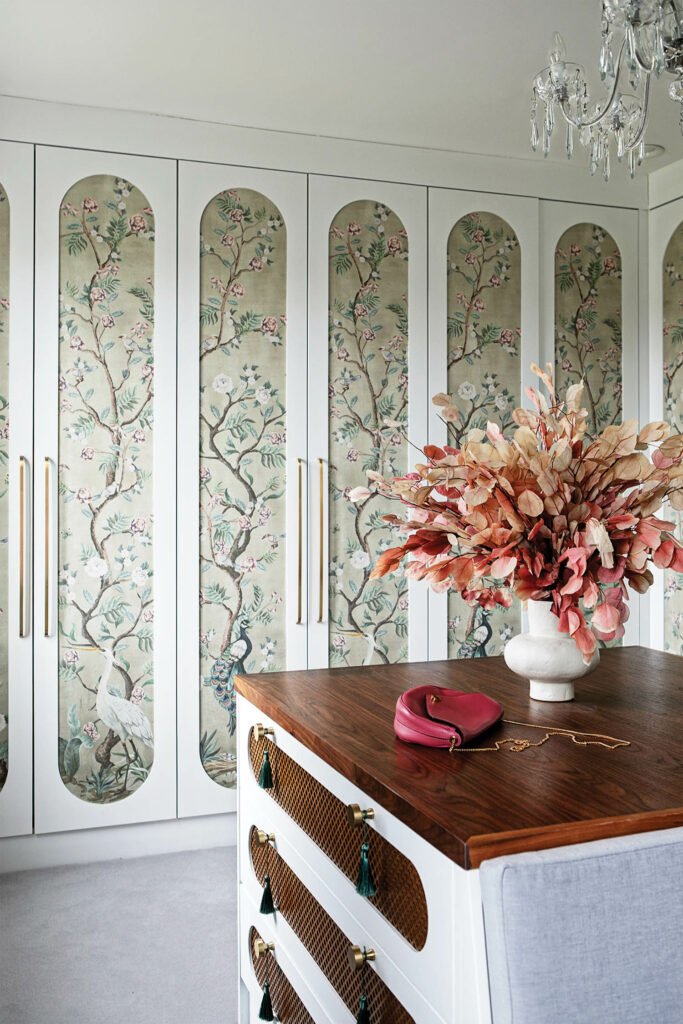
(47, 625)
(321, 540)
(23, 493)
(300, 551)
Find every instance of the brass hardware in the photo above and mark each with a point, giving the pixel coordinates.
(264, 837)
(23, 631)
(48, 525)
(356, 816)
(321, 532)
(261, 731)
(261, 947)
(358, 957)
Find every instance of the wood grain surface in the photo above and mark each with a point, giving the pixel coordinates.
(473, 806)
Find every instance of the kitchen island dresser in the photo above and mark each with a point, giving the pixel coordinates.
(336, 777)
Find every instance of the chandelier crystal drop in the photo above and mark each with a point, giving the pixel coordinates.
(640, 39)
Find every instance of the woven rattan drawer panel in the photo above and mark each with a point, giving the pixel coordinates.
(400, 896)
(287, 1006)
(324, 940)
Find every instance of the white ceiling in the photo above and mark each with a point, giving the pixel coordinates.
(448, 74)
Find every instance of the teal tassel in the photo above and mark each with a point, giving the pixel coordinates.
(267, 905)
(266, 1011)
(265, 779)
(363, 1013)
(365, 884)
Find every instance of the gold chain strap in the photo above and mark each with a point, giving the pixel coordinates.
(518, 746)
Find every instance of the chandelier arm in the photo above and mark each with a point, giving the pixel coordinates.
(599, 116)
(644, 118)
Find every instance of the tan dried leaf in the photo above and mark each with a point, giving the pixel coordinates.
(530, 504)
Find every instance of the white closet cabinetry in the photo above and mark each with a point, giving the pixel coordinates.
(105, 575)
(241, 456)
(367, 364)
(16, 487)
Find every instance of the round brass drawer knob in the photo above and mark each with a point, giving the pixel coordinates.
(261, 947)
(359, 956)
(356, 815)
(261, 731)
(264, 837)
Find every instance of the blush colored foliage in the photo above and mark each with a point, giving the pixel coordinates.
(548, 513)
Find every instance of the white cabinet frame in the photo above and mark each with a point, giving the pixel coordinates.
(327, 195)
(16, 177)
(198, 184)
(446, 207)
(56, 808)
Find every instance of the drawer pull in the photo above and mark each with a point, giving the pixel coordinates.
(261, 731)
(261, 947)
(264, 837)
(357, 816)
(359, 956)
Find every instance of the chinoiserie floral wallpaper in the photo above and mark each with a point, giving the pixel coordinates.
(484, 375)
(368, 412)
(242, 458)
(4, 477)
(588, 320)
(673, 413)
(106, 382)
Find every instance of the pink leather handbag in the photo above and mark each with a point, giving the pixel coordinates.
(435, 716)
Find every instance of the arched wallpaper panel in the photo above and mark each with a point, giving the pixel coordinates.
(105, 547)
(484, 294)
(368, 386)
(243, 447)
(673, 414)
(4, 480)
(588, 300)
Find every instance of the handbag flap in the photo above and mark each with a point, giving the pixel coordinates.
(469, 713)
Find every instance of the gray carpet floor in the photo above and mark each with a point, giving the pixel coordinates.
(150, 941)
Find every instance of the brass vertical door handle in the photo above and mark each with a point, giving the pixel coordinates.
(300, 541)
(47, 628)
(23, 590)
(321, 540)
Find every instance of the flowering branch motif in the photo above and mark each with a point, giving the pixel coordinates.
(546, 514)
(243, 458)
(484, 312)
(4, 477)
(368, 408)
(673, 414)
(106, 382)
(588, 321)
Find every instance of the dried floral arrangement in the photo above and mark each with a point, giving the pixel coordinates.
(548, 514)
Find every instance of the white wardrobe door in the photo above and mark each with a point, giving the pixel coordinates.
(16, 466)
(483, 337)
(367, 364)
(589, 314)
(105, 695)
(242, 603)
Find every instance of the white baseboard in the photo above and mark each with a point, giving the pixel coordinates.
(120, 841)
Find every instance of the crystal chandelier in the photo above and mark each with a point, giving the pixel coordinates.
(640, 38)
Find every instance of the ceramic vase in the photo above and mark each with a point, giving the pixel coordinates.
(549, 659)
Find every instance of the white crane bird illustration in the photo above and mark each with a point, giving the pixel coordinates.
(124, 718)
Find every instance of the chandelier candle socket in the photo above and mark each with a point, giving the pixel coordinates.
(640, 39)
(548, 514)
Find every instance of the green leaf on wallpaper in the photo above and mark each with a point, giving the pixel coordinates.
(455, 325)
(147, 303)
(208, 315)
(127, 400)
(565, 280)
(75, 243)
(116, 231)
(73, 721)
(342, 263)
(145, 637)
(215, 594)
(118, 523)
(377, 250)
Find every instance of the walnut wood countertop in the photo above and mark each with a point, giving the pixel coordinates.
(480, 805)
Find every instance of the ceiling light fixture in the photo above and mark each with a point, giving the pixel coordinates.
(640, 39)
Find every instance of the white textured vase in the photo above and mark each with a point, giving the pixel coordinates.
(549, 659)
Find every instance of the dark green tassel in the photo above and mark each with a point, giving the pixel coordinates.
(266, 1011)
(363, 1013)
(365, 885)
(265, 779)
(267, 905)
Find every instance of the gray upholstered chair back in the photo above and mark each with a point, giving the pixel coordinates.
(587, 934)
